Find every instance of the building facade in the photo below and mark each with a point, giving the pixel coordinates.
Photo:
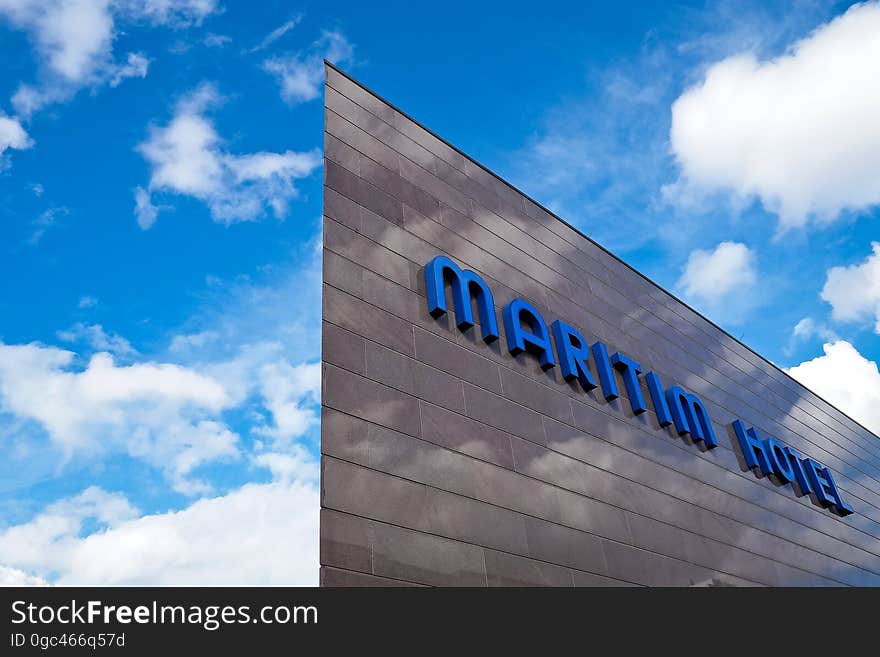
(506, 403)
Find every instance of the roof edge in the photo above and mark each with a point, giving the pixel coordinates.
(577, 230)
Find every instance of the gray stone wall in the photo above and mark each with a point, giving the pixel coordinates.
(447, 461)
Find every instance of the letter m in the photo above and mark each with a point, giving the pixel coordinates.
(466, 287)
(690, 416)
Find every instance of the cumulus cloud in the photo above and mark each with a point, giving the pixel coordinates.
(854, 291)
(799, 132)
(300, 74)
(15, 577)
(162, 413)
(97, 338)
(249, 354)
(719, 277)
(188, 157)
(13, 135)
(74, 42)
(845, 378)
(87, 302)
(806, 329)
(256, 535)
(290, 392)
(135, 66)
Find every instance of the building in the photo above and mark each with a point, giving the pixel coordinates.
(506, 403)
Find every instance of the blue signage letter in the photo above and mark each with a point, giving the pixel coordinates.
(690, 416)
(752, 448)
(660, 405)
(800, 474)
(630, 370)
(573, 354)
(824, 486)
(606, 375)
(465, 285)
(536, 340)
(779, 460)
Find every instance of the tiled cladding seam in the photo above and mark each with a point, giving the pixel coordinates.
(572, 574)
(687, 346)
(710, 397)
(482, 352)
(762, 363)
(640, 455)
(872, 562)
(606, 572)
(328, 572)
(785, 500)
(714, 387)
(485, 354)
(337, 451)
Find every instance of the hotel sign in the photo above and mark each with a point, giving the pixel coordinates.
(526, 331)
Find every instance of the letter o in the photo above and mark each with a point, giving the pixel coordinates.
(779, 460)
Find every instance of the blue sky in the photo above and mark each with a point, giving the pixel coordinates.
(160, 201)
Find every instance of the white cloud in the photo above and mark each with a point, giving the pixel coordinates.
(186, 341)
(73, 37)
(216, 40)
(807, 328)
(854, 291)
(144, 211)
(293, 465)
(39, 544)
(256, 535)
(243, 342)
(174, 13)
(300, 75)
(74, 42)
(188, 157)
(45, 221)
(15, 577)
(276, 34)
(13, 135)
(136, 66)
(799, 132)
(161, 413)
(97, 338)
(289, 391)
(87, 302)
(846, 379)
(715, 276)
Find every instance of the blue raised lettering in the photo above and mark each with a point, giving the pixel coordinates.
(800, 474)
(465, 285)
(630, 371)
(690, 416)
(603, 368)
(536, 340)
(660, 405)
(779, 460)
(573, 354)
